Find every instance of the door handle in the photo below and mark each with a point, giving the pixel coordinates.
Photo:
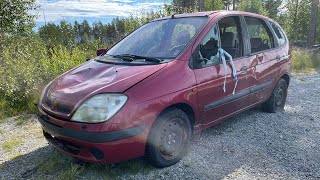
(244, 69)
(278, 58)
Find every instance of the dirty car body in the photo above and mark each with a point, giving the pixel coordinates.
(172, 77)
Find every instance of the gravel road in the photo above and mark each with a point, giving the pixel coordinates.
(252, 145)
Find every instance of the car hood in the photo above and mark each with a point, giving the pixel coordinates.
(77, 85)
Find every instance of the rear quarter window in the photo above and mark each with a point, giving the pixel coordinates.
(280, 36)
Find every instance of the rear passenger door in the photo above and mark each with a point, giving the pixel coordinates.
(263, 58)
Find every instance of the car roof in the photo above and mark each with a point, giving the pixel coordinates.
(213, 13)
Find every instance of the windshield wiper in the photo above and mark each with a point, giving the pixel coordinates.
(131, 57)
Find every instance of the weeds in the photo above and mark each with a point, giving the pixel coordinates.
(10, 144)
(26, 67)
(73, 172)
(22, 119)
(134, 166)
(15, 156)
(55, 162)
(60, 166)
(304, 62)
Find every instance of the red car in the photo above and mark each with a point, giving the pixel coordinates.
(169, 79)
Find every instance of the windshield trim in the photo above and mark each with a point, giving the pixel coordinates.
(110, 59)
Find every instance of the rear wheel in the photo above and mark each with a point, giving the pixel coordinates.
(277, 99)
(168, 138)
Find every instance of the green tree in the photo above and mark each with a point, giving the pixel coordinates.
(272, 7)
(85, 32)
(212, 5)
(67, 38)
(254, 6)
(313, 23)
(184, 3)
(51, 34)
(15, 16)
(297, 21)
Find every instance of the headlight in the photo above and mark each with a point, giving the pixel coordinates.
(99, 108)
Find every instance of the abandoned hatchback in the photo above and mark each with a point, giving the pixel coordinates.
(172, 77)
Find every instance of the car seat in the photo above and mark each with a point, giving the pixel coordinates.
(227, 43)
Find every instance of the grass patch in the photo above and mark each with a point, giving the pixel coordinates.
(15, 156)
(2, 131)
(34, 130)
(21, 120)
(10, 144)
(134, 166)
(73, 172)
(64, 167)
(54, 163)
(304, 62)
(59, 165)
(95, 171)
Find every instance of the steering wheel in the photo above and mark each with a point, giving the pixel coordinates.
(265, 41)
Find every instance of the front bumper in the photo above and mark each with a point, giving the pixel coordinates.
(98, 147)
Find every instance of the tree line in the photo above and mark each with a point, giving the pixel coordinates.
(297, 17)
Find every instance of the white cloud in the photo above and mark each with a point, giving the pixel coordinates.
(55, 10)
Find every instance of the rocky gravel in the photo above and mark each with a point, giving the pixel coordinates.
(251, 145)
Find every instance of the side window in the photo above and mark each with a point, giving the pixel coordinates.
(206, 54)
(261, 38)
(231, 36)
(279, 34)
(226, 35)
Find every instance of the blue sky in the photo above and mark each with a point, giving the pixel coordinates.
(91, 10)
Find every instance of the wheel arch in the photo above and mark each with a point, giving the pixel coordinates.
(185, 108)
(286, 77)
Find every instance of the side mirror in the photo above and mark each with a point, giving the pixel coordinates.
(101, 52)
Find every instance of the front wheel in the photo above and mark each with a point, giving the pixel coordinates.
(169, 138)
(277, 99)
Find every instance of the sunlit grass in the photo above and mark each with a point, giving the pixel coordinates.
(15, 156)
(21, 120)
(11, 144)
(304, 62)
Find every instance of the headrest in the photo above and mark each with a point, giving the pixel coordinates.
(227, 40)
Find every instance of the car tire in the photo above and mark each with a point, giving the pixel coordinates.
(278, 98)
(168, 138)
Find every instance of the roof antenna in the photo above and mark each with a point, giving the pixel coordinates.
(172, 16)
